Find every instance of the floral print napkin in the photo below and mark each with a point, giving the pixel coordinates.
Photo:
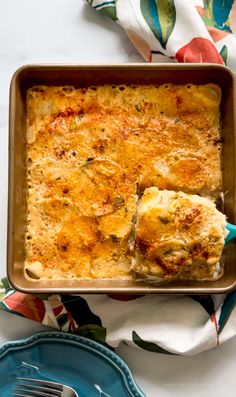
(162, 324)
(162, 31)
(177, 30)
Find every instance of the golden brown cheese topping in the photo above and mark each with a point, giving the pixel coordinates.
(178, 235)
(90, 150)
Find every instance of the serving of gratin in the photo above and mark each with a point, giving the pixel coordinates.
(178, 235)
(95, 154)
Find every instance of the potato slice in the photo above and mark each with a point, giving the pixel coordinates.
(109, 260)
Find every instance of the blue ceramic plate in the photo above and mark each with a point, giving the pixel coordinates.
(90, 368)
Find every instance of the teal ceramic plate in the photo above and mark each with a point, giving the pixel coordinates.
(90, 368)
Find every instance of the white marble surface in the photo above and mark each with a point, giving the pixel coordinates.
(66, 31)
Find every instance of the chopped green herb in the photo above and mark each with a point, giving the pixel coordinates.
(72, 125)
(90, 159)
(118, 201)
(134, 219)
(80, 116)
(168, 252)
(163, 219)
(114, 238)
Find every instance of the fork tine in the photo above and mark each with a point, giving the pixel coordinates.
(32, 393)
(29, 387)
(53, 385)
(20, 395)
(35, 388)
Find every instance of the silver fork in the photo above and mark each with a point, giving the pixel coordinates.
(28, 387)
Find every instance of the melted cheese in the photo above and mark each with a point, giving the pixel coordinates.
(90, 150)
(178, 235)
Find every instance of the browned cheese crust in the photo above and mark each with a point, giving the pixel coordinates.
(90, 150)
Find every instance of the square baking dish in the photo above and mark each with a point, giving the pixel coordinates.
(83, 76)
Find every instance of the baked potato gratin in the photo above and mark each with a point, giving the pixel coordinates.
(178, 235)
(92, 152)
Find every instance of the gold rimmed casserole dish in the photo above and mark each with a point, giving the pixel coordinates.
(92, 75)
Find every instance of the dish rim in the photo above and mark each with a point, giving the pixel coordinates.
(88, 344)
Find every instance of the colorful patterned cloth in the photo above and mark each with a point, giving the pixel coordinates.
(177, 30)
(164, 324)
(162, 30)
